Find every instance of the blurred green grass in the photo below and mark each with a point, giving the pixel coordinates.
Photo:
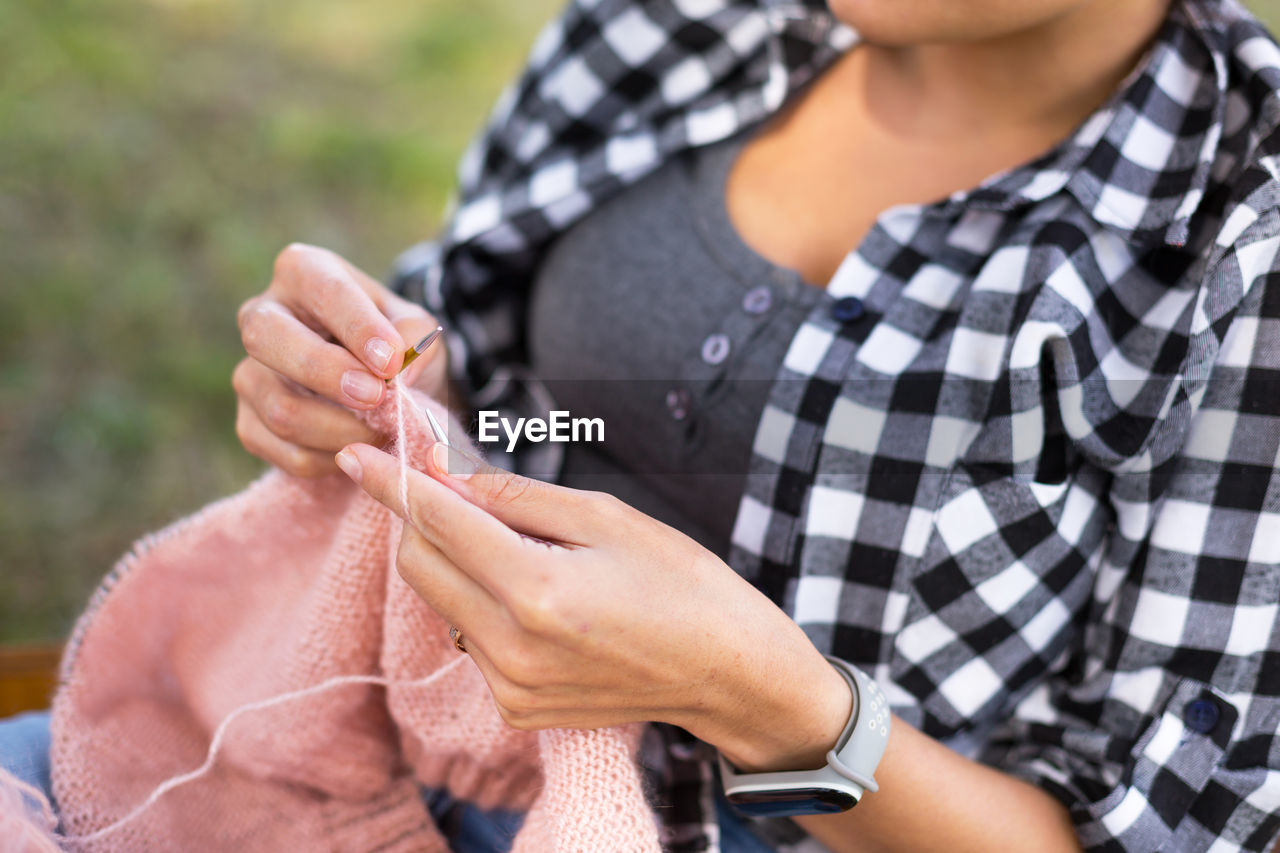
(154, 156)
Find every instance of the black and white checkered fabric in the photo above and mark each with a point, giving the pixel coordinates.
(1032, 486)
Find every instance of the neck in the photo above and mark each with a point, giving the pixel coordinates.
(1041, 80)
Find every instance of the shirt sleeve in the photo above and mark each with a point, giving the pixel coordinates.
(489, 377)
(1162, 732)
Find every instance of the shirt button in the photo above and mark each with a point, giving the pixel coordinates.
(679, 401)
(1202, 715)
(758, 300)
(715, 349)
(847, 309)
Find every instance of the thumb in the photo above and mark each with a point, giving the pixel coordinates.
(533, 507)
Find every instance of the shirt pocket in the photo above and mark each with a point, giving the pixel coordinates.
(999, 594)
(1169, 766)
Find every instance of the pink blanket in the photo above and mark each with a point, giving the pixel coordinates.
(279, 588)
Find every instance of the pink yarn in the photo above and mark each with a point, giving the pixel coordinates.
(291, 587)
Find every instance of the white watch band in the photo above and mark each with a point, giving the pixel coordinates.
(851, 763)
(857, 753)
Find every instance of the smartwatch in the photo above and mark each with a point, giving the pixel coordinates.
(838, 786)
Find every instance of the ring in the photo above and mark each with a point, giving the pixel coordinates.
(456, 636)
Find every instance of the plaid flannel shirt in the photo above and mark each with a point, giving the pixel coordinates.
(1020, 462)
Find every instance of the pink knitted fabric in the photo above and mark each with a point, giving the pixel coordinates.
(279, 588)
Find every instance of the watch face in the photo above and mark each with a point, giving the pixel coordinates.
(792, 802)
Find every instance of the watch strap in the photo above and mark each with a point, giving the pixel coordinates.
(851, 763)
(858, 750)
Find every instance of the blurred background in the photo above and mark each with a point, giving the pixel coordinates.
(154, 157)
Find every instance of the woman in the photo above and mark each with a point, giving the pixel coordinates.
(974, 312)
(1017, 457)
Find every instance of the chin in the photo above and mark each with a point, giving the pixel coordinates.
(903, 23)
(892, 23)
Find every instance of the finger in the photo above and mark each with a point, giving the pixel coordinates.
(332, 293)
(476, 542)
(411, 320)
(273, 335)
(445, 588)
(288, 457)
(475, 646)
(294, 415)
(556, 513)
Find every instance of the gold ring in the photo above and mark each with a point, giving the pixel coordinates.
(456, 636)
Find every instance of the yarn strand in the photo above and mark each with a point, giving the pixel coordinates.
(215, 743)
(219, 734)
(402, 441)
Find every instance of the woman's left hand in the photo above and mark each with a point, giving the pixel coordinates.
(613, 618)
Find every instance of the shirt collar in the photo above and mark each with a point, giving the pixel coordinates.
(1141, 163)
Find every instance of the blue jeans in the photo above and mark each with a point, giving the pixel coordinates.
(24, 752)
(24, 749)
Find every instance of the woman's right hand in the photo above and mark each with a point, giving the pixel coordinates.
(320, 341)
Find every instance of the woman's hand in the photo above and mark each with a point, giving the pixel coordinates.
(321, 339)
(621, 619)
(615, 618)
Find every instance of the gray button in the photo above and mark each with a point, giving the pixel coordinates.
(758, 300)
(715, 348)
(679, 402)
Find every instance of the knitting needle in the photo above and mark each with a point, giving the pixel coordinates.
(436, 429)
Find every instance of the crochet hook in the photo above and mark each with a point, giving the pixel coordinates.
(417, 349)
(409, 355)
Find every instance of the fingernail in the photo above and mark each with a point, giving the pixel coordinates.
(349, 464)
(361, 387)
(454, 462)
(379, 352)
